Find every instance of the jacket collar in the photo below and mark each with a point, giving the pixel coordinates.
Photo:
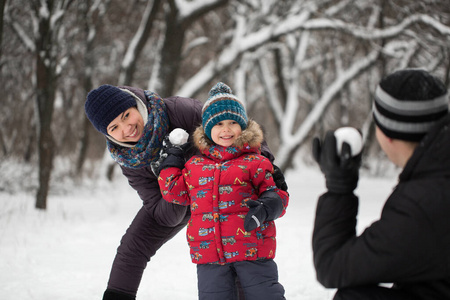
(432, 155)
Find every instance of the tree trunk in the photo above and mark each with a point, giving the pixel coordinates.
(128, 68)
(83, 146)
(4, 149)
(2, 9)
(83, 142)
(31, 144)
(171, 54)
(45, 98)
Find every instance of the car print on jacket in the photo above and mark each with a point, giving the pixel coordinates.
(218, 185)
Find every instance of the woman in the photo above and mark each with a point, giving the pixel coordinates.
(135, 123)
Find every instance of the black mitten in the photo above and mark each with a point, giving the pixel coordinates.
(279, 179)
(115, 295)
(341, 171)
(267, 208)
(255, 216)
(169, 156)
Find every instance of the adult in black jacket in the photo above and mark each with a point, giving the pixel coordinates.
(409, 245)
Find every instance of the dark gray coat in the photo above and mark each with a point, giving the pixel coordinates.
(409, 245)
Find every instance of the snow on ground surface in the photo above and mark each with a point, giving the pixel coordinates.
(66, 252)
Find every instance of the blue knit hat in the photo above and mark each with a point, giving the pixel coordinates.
(222, 105)
(408, 103)
(105, 103)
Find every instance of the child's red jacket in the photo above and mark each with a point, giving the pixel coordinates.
(217, 185)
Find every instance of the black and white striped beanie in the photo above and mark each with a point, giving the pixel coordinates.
(408, 102)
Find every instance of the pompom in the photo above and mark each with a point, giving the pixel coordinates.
(352, 137)
(178, 137)
(220, 88)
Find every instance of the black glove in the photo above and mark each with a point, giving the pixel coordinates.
(115, 295)
(267, 208)
(341, 172)
(279, 179)
(169, 156)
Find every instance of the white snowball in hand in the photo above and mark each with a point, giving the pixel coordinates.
(178, 137)
(351, 136)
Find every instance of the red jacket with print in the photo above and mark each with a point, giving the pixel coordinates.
(217, 185)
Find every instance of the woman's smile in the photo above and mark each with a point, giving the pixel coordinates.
(127, 127)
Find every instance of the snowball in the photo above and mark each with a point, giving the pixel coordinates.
(178, 137)
(351, 136)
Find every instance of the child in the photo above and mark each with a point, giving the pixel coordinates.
(233, 200)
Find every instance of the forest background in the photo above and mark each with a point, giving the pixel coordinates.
(302, 67)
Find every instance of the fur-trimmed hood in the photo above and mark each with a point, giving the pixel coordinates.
(252, 136)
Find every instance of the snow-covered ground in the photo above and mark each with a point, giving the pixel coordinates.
(66, 252)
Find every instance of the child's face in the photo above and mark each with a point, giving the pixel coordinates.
(127, 127)
(226, 132)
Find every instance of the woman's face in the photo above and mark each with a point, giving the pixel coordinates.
(127, 127)
(226, 132)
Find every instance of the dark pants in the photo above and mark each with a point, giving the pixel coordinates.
(371, 293)
(258, 279)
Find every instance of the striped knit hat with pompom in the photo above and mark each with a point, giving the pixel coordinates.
(408, 102)
(222, 105)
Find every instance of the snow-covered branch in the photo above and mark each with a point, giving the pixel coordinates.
(332, 90)
(137, 43)
(374, 33)
(23, 36)
(189, 9)
(269, 86)
(301, 21)
(291, 141)
(242, 44)
(57, 16)
(288, 119)
(131, 50)
(195, 43)
(275, 30)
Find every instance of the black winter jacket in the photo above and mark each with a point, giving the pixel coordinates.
(409, 245)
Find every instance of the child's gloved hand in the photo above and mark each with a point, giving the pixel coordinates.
(172, 155)
(279, 179)
(267, 208)
(255, 216)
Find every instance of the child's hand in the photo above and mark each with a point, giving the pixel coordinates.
(279, 179)
(171, 155)
(268, 207)
(255, 216)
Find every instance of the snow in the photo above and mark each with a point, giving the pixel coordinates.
(189, 8)
(351, 136)
(66, 252)
(178, 137)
